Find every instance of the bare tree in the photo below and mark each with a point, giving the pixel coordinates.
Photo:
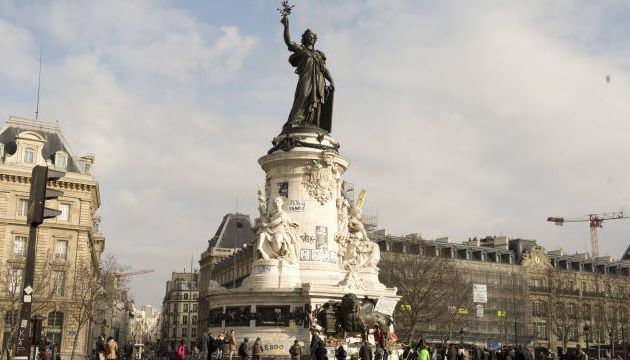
(610, 312)
(91, 295)
(562, 311)
(432, 290)
(11, 286)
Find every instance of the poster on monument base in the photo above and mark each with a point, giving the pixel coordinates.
(386, 305)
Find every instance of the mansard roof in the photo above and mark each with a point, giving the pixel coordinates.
(234, 232)
(50, 133)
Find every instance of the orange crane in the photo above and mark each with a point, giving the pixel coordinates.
(595, 222)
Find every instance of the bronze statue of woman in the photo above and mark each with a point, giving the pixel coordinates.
(312, 105)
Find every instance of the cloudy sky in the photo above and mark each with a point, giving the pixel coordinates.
(461, 119)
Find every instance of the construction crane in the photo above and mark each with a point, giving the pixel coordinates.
(134, 273)
(595, 222)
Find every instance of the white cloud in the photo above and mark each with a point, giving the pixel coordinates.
(17, 51)
(473, 119)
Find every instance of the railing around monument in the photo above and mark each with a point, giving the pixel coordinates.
(237, 315)
(272, 315)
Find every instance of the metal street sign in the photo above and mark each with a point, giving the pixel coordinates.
(462, 311)
(501, 313)
(28, 290)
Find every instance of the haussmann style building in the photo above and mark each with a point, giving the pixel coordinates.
(67, 245)
(180, 313)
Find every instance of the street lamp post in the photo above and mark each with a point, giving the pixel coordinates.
(461, 336)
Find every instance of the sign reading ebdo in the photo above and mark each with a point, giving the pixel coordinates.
(480, 293)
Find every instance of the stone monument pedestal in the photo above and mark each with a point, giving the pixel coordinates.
(273, 274)
(305, 241)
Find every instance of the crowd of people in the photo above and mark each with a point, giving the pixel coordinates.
(224, 346)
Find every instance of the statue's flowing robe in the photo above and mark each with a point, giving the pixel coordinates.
(310, 93)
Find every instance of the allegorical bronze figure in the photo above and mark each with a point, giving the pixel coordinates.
(312, 105)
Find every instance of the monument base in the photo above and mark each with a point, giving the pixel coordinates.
(280, 315)
(272, 273)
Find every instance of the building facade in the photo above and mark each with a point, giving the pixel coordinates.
(503, 317)
(67, 245)
(590, 297)
(180, 311)
(233, 235)
(578, 300)
(144, 327)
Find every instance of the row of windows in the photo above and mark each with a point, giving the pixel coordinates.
(22, 210)
(570, 310)
(184, 332)
(184, 307)
(19, 248)
(16, 282)
(60, 159)
(184, 296)
(193, 320)
(582, 288)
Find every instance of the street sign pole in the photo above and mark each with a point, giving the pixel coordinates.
(23, 341)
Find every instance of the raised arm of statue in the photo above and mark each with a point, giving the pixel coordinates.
(287, 35)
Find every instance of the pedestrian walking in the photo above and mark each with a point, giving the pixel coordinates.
(232, 344)
(111, 349)
(128, 350)
(379, 353)
(219, 341)
(203, 345)
(225, 346)
(365, 352)
(181, 351)
(101, 348)
(341, 353)
(423, 354)
(315, 341)
(379, 337)
(257, 350)
(321, 352)
(295, 351)
(212, 346)
(243, 350)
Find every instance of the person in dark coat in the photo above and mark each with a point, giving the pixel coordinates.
(213, 345)
(365, 352)
(379, 353)
(341, 353)
(315, 341)
(128, 348)
(320, 352)
(295, 351)
(243, 350)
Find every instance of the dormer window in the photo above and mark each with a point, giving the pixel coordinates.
(29, 155)
(61, 160)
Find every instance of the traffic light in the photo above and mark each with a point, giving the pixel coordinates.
(37, 210)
